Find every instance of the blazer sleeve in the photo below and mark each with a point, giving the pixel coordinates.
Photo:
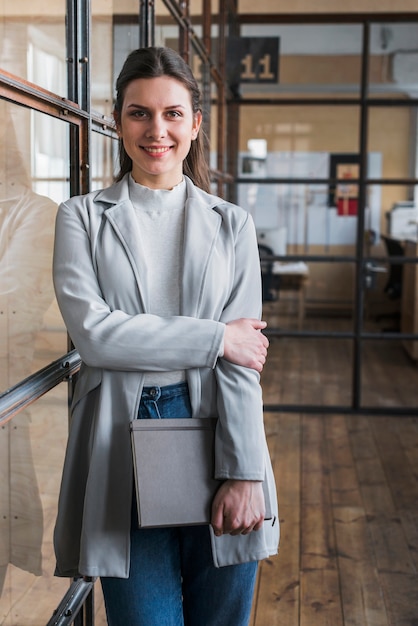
(114, 339)
(240, 439)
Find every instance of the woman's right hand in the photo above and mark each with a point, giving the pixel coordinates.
(244, 344)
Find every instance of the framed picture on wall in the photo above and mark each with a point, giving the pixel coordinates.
(343, 195)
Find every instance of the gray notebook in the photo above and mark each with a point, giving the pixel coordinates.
(174, 465)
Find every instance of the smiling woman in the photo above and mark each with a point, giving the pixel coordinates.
(178, 78)
(159, 285)
(157, 125)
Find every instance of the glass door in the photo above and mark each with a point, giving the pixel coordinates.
(326, 160)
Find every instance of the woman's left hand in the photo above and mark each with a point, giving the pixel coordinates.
(238, 507)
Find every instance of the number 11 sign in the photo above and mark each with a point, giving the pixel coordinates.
(252, 60)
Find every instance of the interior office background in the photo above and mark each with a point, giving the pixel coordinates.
(322, 151)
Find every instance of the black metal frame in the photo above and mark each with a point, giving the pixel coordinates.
(78, 86)
(364, 102)
(146, 23)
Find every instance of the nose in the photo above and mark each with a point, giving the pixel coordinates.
(156, 128)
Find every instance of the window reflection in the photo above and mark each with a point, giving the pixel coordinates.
(27, 594)
(26, 240)
(33, 46)
(26, 294)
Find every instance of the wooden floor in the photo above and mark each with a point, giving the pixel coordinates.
(347, 487)
(348, 502)
(348, 493)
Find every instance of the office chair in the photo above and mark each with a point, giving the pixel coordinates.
(394, 283)
(268, 294)
(393, 287)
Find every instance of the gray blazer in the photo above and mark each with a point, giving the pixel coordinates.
(100, 280)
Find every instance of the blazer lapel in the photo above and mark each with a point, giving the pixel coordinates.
(123, 219)
(202, 225)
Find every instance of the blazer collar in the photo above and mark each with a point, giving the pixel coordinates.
(202, 224)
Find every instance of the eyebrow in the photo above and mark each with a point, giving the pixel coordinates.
(144, 108)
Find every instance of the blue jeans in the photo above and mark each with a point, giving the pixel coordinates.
(172, 579)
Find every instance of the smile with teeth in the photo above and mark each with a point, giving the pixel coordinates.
(159, 150)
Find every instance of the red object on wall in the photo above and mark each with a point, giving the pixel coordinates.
(347, 206)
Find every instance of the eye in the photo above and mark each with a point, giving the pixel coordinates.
(138, 113)
(174, 114)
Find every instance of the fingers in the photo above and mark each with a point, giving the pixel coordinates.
(257, 324)
(260, 325)
(244, 344)
(225, 524)
(261, 356)
(257, 361)
(238, 508)
(217, 520)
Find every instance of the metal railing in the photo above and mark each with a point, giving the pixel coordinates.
(77, 606)
(36, 385)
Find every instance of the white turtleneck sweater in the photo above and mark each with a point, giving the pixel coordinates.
(160, 215)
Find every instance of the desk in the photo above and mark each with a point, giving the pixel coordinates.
(409, 305)
(291, 277)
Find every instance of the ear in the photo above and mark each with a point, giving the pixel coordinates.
(117, 122)
(197, 121)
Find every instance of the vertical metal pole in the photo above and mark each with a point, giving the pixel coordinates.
(146, 23)
(221, 102)
(184, 34)
(72, 94)
(71, 49)
(207, 24)
(206, 74)
(362, 196)
(83, 47)
(233, 113)
(89, 608)
(78, 88)
(84, 73)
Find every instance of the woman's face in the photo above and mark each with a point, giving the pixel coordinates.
(157, 125)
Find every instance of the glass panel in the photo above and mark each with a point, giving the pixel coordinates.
(167, 29)
(308, 371)
(102, 79)
(33, 44)
(393, 60)
(299, 219)
(393, 138)
(317, 143)
(389, 363)
(299, 140)
(314, 60)
(314, 296)
(389, 286)
(33, 180)
(32, 448)
(196, 7)
(104, 159)
(117, 24)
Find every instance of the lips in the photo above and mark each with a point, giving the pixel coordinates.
(155, 150)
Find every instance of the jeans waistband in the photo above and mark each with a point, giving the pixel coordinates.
(168, 391)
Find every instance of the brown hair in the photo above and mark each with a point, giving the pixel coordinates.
(152, 63)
